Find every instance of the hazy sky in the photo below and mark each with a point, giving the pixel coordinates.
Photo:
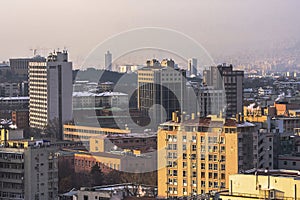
(82, 24)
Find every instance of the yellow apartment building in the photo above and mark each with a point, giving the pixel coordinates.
(197, 156)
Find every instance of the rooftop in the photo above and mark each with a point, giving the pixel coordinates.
(103, 94)
(13, 98)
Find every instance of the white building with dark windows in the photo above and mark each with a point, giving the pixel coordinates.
(50, 91)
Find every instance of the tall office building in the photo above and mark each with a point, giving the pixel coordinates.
(28, 171)
(161, 90)
(192, 67)
(198, 155)
(108, 61)
(223, 77)
(19, 66)
(50, 91)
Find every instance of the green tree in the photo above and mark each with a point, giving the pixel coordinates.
(96, 175)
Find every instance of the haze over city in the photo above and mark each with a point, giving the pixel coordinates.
(223, 27)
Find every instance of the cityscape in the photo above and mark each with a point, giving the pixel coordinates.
(152, 112)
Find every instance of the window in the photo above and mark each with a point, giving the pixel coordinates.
(202, 156)
(194, 138)
(194, 174)
(174, 172)
(184, 147)
(215, 184)
(202, 165)
(215, 175)
(294, 163)
(215, 166)
(194, 147)
(215, 157)
(222, 158)
(222, 176)
(203, 183)
(222, 148)
(193, 156)
(223, 167)
(174, 146)
(202, 148)
(202, 139)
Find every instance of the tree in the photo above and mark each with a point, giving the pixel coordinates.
(96, 175)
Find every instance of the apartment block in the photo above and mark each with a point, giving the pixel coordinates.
(161, 85)
(28, 170)
(197, 156)
(223, 77)
(50, 91)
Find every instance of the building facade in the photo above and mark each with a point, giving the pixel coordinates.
(28, 171)
(84, 133)
(197, 156)
(261, 184)
(161, 85)
(50, 91)
(192, 67)
(223, 77)
(108, 61)
(9, 90)
(20, 66)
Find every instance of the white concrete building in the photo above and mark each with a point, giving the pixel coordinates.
(105, 99)
(192, 67)
(50, 91)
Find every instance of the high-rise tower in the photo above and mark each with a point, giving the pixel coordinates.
(223, 77)
(192, 67)
(108, 61)
(50, 91)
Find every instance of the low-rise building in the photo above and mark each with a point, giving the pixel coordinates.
(144, 142)
(261, 184)
(84, 133)
(104, 99)
(119, 191)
